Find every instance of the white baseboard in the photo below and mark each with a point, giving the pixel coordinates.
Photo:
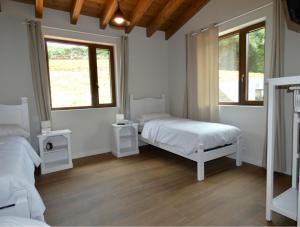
(90, 153)
(248, 160)
(252, 161)
(256, 163)
(108, 150)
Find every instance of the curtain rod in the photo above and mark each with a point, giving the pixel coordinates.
(231, 19)
(86, 33)
(80, 32)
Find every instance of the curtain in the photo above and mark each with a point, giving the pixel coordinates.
(39, 70)
(277, 70)
(202, 92)
(124, 77)
(188, 59)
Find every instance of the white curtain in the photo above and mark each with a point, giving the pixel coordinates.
(202, 91)
(124, 96)
(277, 70)
(39, 70)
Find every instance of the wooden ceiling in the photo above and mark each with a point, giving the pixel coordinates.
(154, 15)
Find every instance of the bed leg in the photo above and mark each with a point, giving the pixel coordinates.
(268, 214)
(238, 161)
(200, 171)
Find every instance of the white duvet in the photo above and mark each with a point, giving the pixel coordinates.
(187, 136)
(17, 164)
(10, 221)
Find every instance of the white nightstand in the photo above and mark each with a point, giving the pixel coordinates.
(125, 140)
(55, 151)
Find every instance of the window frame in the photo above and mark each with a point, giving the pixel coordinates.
(243, 77)
(93, 73)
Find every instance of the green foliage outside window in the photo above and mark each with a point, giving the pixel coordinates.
(56, 52)
(229, 52)
(256, 51)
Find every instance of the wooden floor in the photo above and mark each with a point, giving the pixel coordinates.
(157, 188)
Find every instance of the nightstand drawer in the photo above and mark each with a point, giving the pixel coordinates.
(56, 155)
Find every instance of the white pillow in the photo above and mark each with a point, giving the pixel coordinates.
(13, 130)
(148, 117)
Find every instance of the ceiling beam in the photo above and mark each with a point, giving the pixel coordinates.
(140, 9)
(39, 8)
(188, 14)
(109, 11)
(163, 16)
(76, 9)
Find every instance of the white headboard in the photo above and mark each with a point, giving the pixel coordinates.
(16, 114)
(142, 106)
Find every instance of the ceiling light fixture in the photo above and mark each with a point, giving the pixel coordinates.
(119, 19)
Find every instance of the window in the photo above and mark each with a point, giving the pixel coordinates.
(81, 75)
(241, 66)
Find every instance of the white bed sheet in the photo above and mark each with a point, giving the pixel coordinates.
(187, 136)
(17, 162)
(16, 221)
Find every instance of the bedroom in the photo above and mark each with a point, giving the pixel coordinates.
(156, 66)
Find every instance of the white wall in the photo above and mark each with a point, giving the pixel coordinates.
(251, 120)
(148, 71)
(15, 70)
(156, 66)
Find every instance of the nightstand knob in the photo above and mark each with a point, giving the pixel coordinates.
(49, 146)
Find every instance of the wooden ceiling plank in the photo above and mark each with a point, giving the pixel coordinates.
(140, 9)
(109, 11)
(76, 9)
(39, 8)
(195, 7)
(163, 16)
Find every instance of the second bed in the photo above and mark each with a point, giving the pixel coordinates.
(195, 140)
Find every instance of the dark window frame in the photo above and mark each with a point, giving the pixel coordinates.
(243, 64)
(93, 73)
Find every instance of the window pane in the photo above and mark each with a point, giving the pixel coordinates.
(229, 69)
(255, 65)
(69, 75)
(104, 76)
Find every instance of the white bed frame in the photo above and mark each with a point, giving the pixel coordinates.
(142, 106)
(17, 204)
(16, 114)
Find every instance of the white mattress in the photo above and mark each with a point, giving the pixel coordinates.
(16, 221)
(187, 136)
(17, 164)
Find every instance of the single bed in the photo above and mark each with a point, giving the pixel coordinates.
(11, 221)
(195, 140)
(18, 195)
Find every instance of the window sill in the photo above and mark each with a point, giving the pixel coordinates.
(241, 106)
(84, 109)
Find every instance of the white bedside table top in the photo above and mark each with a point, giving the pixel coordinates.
(56, 133)
(125, 125)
